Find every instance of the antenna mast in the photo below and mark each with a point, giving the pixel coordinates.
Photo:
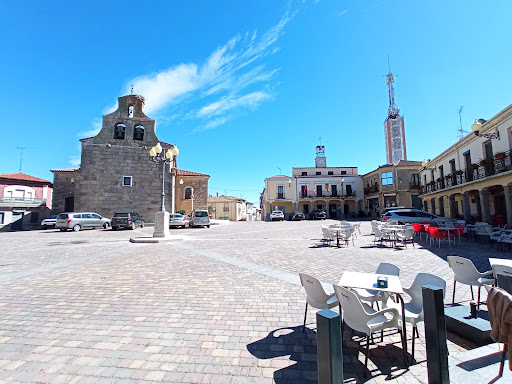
(393, 110)
(461, 131)
(21, 156)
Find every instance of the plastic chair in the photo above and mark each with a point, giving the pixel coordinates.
(328, 238)
(316, 295)
(372, 296)
(406, 236)
(418, 229)
(414, 308)
(466, 273)
(435, 233)
(363, 318)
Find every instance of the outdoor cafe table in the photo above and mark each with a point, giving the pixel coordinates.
(503, 262)
(338, 230)
(448, 229)
(392, 230)
(368, 281)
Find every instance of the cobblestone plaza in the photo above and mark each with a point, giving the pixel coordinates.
(224, 305)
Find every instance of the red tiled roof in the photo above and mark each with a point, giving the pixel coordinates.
(23, 177)
(181, 172)
(65, 170)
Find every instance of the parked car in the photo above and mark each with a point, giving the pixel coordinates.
(317, 214)
(178, 220)
(199, 218)
(386, 210)
(49, 222)
(81, 220)
(414, 216)
(127, 220)
(277, 215)
(296, 216)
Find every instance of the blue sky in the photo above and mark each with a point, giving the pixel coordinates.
(245, 88)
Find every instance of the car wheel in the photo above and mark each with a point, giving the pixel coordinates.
(45, 227)
(63, 229)
(77, 227)
(208, 226)
(132, 227)
(105, 225)
(114, 228)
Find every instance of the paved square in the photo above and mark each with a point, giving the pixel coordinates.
(222, 306)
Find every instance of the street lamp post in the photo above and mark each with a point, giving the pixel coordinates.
(162, 217)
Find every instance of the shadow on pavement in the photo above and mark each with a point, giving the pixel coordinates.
(386, 358)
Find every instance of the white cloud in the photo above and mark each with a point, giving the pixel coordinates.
(96, 127)
(75, 161)
(226, 103)
(341, 13)
(234, 73)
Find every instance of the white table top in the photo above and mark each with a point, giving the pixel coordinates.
(505, 262)
(363, 280)
(447, 228)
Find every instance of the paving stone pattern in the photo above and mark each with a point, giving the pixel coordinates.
(223, 306)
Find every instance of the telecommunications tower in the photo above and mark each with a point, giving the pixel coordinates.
(394, 127)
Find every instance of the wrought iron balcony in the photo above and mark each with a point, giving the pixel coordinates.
(499, 163)
(372, 189)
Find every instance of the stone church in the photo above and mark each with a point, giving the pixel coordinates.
(116, 173)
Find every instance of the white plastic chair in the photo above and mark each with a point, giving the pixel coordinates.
(347, 235)
(316, 295)
(414, 308)
(466, 273)
(363, 318)
(504, 239)
(406, 236)
(328, 238)
(501, 270)
(372, 296)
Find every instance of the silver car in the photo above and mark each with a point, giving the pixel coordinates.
(414, 216)
(177, 220)
(81, 220)
(199, 218)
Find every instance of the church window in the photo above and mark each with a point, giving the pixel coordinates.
(138, 133)
(130, 111)
(188, 194)
(127, 181)
(119, 131)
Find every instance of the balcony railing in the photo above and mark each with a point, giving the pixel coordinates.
(20, 201)
(374, 188)
(326, 195)
(485, 168)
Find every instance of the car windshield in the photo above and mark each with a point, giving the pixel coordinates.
(201, 214)
(53, 217)
(121, 214)
(63, 216)
(176, 216)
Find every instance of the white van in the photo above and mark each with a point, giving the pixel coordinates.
(199, 218)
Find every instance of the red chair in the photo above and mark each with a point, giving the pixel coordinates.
(418, 228)
(435, 233)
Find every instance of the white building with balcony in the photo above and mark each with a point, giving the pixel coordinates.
(472, 179)
(24, 201)
(336, 190)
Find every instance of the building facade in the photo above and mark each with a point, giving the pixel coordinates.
(24, 201)
(337, 190)
(117, 174)
(392, 185)
(472, 179)
(227, 208)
